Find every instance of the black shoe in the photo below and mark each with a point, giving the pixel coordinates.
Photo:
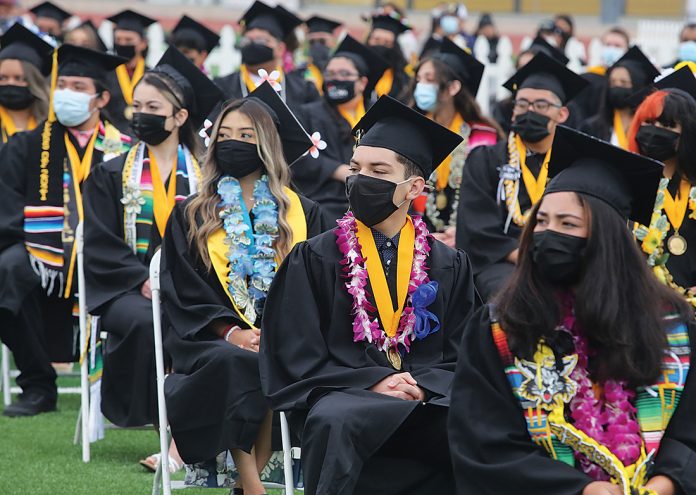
(30, 404)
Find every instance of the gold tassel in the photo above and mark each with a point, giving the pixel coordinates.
(54, 81)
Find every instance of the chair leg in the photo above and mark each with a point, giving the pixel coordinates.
(6, 392)
(78, 428)
(287, 455)
(156, 482)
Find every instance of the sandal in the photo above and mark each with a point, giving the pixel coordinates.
(151, 463)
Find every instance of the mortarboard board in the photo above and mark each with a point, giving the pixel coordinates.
(392, 125)
(293, 136)
(682, 79)
(85, 62)
(276, 20)
(366, 61)
(626, 181)
(200, 93)
(20, 43)
(539, 44)
(431, 46)
(389, 23)
(129, 20)
(88, 24)
(543, 72)
(189, 29)
(317, 24)
(50, 10)
(464, 65)
(641, 69)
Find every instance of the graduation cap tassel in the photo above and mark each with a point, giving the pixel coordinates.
(54, 81)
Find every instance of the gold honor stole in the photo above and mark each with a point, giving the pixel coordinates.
(385, 83)
(350, 118)
(126, 83)
(534, 186)
(8, 127)
(314, 75)
(442, 172)
(217, 248)
(620, 131)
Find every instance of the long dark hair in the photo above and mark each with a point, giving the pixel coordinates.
(464, 103)
(619, 303)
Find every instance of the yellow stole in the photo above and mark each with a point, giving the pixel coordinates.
(675, 208)
(443, 171)
(316, 77)
(535, 186)
(619, 130)
(384, 85)
(353, 119)
(249, 82)
(126, 83)
(217, 249)
(162, 201)
(8, 127)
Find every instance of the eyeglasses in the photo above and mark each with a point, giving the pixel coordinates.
(540, 106)
(343, 75)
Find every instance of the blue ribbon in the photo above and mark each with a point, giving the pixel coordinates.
(423, 297)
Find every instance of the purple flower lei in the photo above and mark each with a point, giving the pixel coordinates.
(365, 325)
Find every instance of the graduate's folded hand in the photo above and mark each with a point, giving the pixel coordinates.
(145, 290)
(400, 385)
(602, 488)
(246, 339)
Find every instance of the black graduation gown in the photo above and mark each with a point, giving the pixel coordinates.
(114, 275)
(297, 89)
(491, 448)
(683, 268)
(502, 113)
(586, 103)
(481, 220)
(214, 399)
(312, 176)
(311, 367)
(596, 126)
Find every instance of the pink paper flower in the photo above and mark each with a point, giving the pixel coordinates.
(204, 132)
(272, 79)
(317, 145)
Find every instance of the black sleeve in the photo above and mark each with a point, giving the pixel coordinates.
(316, 220)
(13, 169)
(489, 442)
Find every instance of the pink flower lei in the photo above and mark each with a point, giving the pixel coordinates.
(366, 326)
(611, 419)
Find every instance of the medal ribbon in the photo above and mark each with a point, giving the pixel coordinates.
(535, 186)
(8, 126)
(443, 171)
(676, 208)
(620, 131)
(353, 119)
(163, 201)
(378, 280)
(126, 83)
(249, 82)
(385, 83)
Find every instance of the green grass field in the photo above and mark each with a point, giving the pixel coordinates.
(37, 456)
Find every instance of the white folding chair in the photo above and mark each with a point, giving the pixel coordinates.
(84, 342)
(162, 476)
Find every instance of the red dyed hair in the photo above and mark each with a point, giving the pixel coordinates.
(648, 111)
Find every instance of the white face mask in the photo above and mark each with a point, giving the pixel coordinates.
(611, 54)
(72, 107)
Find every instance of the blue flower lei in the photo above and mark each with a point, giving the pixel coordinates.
(251, 254)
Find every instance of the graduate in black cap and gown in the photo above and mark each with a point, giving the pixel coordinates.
(576, 380)
(25, 62)
(362, 323)
(49, 18)
(384, 40)
(40, 207)
(262, 48)
(87, 35)
(351, 74)
(501, 183)
(127, 204)
(631, 73)
(321, 42)
(130, 42)
(194, 40)
(219, 255)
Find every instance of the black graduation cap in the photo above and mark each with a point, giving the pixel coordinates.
(485, 20)
(188, 28)
(543, 72)
(317, 24)
(20, 43)
(465, 65)
(129, 20)
(682, 79)
(50, 10)
(642, 70)
(201, 94)
(392, 125)
(276, 20)
(584, 164)
(88, 24)
(85, 62)
(539, 44)
(295, 140)
(431, 46)
(389, 23)
(366, 61)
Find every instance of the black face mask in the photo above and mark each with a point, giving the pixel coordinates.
(657, 143)
(559, 258)
(338, 92)
(389, 55)
(618, 97)
(15, 97)
(371, 199)
(149, 128)
(256, 54)
(531, 126)
(237, 158)
(320, 54)
(125, 51)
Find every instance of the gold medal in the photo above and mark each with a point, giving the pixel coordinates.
(394, 358)
(677, 244)
(128, 112)
(441, 200)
